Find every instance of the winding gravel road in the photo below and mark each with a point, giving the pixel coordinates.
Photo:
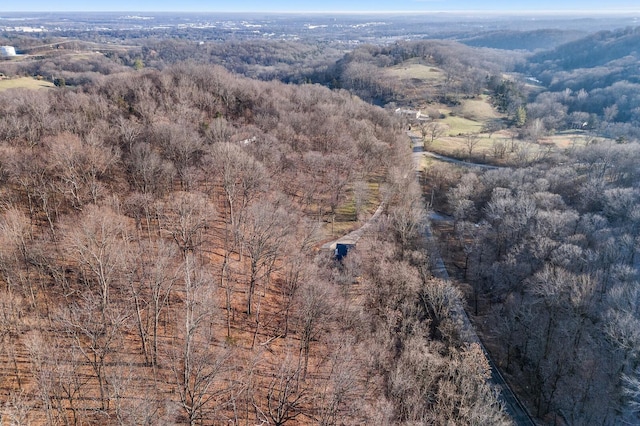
(418, 152)
(514, 407)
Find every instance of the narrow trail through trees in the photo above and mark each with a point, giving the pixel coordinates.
(353, 236)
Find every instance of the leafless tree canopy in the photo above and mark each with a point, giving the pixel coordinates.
(551, 253)
(159, 259)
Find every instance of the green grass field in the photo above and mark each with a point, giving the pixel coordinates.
(25, 83)
(457, 125)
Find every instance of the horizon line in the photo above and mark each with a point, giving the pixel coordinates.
(526, 12)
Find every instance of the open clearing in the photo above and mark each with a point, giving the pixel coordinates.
(460, 125)
(471, 116)
(412, 69)
(477, 109)
(25, 83)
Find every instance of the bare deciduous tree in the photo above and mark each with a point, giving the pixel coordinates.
(431, 130)
(151, 282)
(471, 140)
(337, 395)
(15, 234)
(499, 148)
(98, 244)
(183, 146)
(196, 366)
(81, 166)
(30, 172)
(62, 386)
(97, 333)
(312, 308)
(150, 173)
(297, 270)
(267, 227)
(466, 396)
(185, 217)
(242, 178)
(286, 392)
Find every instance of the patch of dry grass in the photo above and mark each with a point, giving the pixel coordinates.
(567, 139)
(413, 70)
(477, 109)
(25, 83)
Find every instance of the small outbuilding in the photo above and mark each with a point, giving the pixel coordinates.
(342, 250)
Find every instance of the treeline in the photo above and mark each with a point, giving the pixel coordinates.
(159, 260)
(61, 64)
(551, 253)
(588, 84)
(286, 61)
(592, 51)
(466, 69)
(612, 112)
(361, 70)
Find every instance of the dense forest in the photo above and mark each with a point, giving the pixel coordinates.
(590, 83)
(592, 80)
(159, 260)
(551, 254)
(164, 207)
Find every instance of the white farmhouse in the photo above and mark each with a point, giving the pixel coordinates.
(7, 51)
(412, 113)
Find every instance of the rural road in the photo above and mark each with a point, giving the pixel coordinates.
(418, 152)
(512, 404)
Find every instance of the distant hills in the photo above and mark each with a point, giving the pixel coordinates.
(596, 61)
(523, 40)
(594, 50)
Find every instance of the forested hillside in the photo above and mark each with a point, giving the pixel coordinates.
(159, 261)
(593, 81)
(591, 51)
(466, 69)
(532, 40)
(163, 209)
(551, 254)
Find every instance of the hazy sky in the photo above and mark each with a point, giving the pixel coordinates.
(603, 6)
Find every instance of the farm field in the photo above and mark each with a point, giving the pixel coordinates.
(454, 145)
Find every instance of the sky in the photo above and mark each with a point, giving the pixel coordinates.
(489, 6)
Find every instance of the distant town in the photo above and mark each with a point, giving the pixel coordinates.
(343, 28)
